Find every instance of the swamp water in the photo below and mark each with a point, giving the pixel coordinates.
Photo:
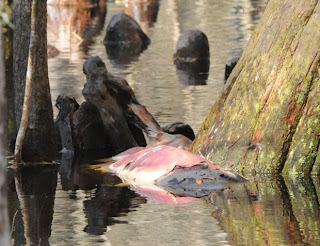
(77, 206)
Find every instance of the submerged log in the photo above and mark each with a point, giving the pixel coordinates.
(267, 118)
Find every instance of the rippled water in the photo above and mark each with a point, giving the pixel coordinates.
(79, 206)
(153, 76)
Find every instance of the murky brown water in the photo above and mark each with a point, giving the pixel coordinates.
(77, 206)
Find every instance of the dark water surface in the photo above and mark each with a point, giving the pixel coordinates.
(72, 205)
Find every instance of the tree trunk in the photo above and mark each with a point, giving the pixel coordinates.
(27, 94)
(4, 222)
(9, 87)
(267, 118)
(40, 141)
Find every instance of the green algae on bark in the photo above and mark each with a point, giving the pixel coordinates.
(252, 126)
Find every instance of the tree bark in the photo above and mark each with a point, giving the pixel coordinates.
(267, 118)
(27, 94)
(4, 222)
(40, 140)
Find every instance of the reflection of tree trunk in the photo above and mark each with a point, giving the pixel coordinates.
(4, 223)
(23, 208)
(35, 187)
(39, 143)
(175, 20)
(316, 184)
(305, 206)
(72, 29)
(9, 88)
(271, 100)
(244, 213)
(292, 224)
(144, 12)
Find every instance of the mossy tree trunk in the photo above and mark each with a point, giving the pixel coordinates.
(40, 140)
(267, 118)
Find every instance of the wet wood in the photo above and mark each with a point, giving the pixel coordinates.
(100, 122)
(111, 119)
(124, 39)
(271, 98)
(28, 90)
(98, 91)
(40, 140)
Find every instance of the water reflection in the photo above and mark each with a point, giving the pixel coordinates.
(264, 210)
(268, 211)
(33, 214)
(145, 12)
(193, 73)
(84, 207)
(106, 200)
(72, 28)
(106, 204)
